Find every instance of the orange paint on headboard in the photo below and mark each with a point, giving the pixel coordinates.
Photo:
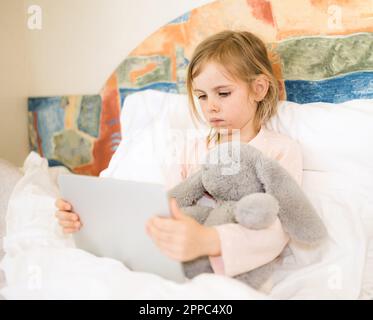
(109, 125)
(262, 10)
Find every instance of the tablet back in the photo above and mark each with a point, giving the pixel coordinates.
(113, 213)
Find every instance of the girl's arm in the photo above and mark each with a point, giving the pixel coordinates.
(243, 249)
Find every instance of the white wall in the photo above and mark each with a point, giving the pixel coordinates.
(14, 78)
(80, 44)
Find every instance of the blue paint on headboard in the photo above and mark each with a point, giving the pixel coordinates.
(358, 85)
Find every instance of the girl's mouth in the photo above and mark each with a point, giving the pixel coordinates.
(216, 122)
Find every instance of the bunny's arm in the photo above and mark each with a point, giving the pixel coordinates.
(189, 191)
(296, 213)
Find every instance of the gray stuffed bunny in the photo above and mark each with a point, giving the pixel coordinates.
(252, 190)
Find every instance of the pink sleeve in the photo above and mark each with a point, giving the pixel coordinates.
(245, 249)
(291, 159)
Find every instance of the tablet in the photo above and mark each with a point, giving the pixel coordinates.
(114, 213)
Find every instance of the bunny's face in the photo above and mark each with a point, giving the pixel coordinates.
(229, 172)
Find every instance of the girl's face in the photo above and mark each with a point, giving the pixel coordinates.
(225, 102)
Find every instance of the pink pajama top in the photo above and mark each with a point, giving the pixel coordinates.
(244, 249)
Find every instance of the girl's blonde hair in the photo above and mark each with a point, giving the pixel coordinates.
(244, 56)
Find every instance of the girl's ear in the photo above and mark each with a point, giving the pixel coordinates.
(260, 87)
(189, 191)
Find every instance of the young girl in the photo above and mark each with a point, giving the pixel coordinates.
(232, 77)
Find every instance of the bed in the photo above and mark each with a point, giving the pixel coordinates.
(325, 68)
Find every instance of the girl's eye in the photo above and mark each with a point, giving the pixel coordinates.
(202, 97)
(224, 94)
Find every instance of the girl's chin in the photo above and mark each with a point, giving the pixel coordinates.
(224, 129)
(219, 127)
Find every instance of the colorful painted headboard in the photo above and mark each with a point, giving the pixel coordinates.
(320, 52)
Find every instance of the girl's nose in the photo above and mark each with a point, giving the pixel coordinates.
(213, 106)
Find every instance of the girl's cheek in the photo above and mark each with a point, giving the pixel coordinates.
(203, 106)
(204, 111)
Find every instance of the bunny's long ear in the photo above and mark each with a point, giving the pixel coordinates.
(297, 215)
(189, 191)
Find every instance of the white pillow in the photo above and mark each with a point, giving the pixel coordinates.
(140, 109)
(154, 127)
(333, 137)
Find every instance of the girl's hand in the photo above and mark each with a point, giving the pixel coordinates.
(68, 220)
(182, 238)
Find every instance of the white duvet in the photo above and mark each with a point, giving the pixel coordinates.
(42, 263)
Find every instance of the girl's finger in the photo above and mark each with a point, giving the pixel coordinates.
(152, 230)
(69, 224)
(58, 203)
(65, 215)
(160, 235)
(166, 248)
(164, 233)
(165, 224)
(63, 205)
